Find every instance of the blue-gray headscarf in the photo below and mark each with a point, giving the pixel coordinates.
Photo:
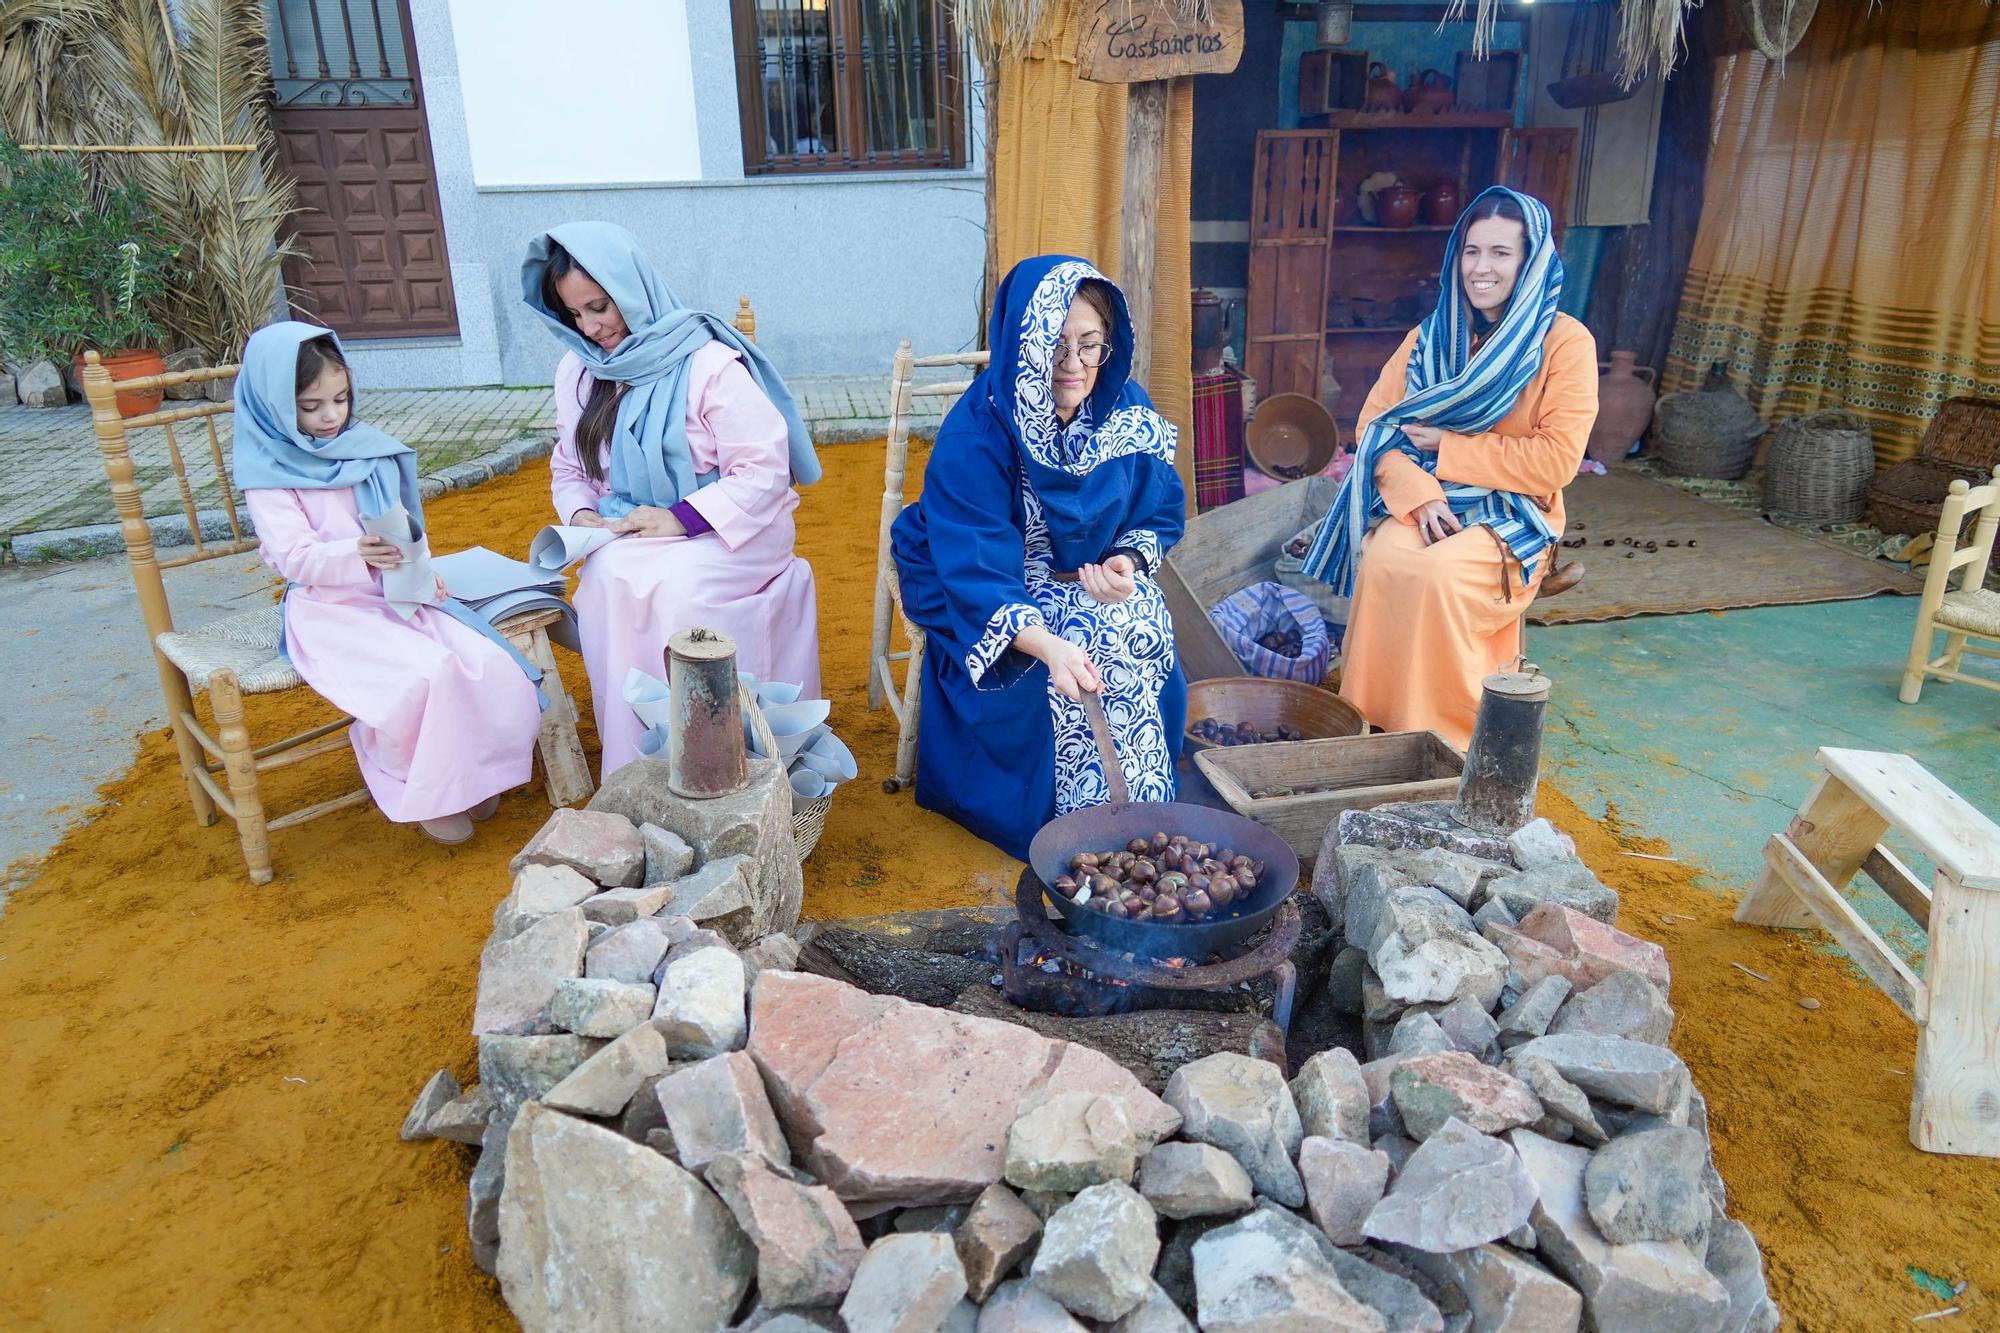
(650, 461)
(271, 451)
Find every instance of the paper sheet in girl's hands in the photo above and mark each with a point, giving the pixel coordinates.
(561, 545)
(413, 583)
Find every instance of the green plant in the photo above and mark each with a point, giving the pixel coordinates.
(75, 274)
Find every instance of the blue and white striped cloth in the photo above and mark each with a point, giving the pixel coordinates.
(1456, 390)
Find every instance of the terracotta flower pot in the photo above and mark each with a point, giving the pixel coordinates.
(1625, 393)
(128, 364)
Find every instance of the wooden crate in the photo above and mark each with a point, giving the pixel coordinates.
(1225, 551)
(1364, 771)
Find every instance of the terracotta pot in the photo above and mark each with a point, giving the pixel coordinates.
(1430, 94)
(1383, 94)
(1442, 203)
(1625, 393)
(127, 364)
(1396, 206)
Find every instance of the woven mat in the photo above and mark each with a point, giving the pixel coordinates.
(1737, 559)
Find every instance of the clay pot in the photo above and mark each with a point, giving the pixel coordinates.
(1625, 392)
(1383, 94)
(1396, 206)
(1430, 94)
(1441, 203)
(128, 364)
(1343, 207)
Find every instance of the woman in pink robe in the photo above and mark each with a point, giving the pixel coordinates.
(444, 719)
(711, 451)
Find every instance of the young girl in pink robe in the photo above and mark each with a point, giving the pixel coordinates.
(444, 718)
(711, 460)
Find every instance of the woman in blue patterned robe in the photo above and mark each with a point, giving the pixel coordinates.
(1049, 501)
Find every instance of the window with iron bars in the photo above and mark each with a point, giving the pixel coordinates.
(849, 85)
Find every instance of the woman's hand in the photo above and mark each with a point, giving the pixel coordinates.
(1112, 581)
(586, 518)
(378, 552)
(1426, 438)
(648, 521)
(1435, 521)
(1070, 668)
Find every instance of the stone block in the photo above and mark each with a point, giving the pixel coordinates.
(1243, 1106)
(668, 857)
(1155, 1314)
(1624, 1004)
(1505, 1292)
(595, 1007)
(1631, 1073)
(1194, 1180)
(630, 952)
(808, 1248)
(719, 1106)
(482, 1195)
(539, 891)
(1261, 1275)
(438, 1091)
(40, 384)
(1647, 1186)
(1562, 883)
(619, 907)
(1416, 825)
(1537, 843)
(1022, 1307)
(997, 1232)
(606, 1083)
(463, 1119)
(518, 976)
(700, 1008)
(1459, 1188)
(1071, 1141)
(1097, 1252)
(599, 846)
(1332, 1096)
(1433, 1089)
(908, 1282)
(1562, 1102)
(1529, 1016)
(1344, 1182)
(597, 1232)
(1425, 949)
(516, 1069)
(1417, 1033)
(1595, 948)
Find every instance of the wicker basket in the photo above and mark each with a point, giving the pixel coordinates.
(1963, 440)
(808, 822)
(1819, 468)
(1705, 433)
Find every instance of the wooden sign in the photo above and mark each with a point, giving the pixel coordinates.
(1136, 41)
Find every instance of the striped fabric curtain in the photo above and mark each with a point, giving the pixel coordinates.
(1848, 252)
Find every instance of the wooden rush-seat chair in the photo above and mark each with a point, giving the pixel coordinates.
(239, 654)
(905, 702)
(1972, 611)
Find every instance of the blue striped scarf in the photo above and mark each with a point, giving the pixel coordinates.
(1451, 387)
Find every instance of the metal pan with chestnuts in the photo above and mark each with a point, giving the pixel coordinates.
(1167, 879)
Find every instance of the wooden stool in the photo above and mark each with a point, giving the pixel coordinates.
(566, 777)
(1956, 1005)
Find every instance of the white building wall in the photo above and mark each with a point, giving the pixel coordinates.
(839, 268)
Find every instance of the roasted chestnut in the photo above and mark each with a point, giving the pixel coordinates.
(1166, 905)
(1138, 846)
(1197, 902)
(1161, 842)
(1142, 870)
(1223, 889)
(1082, 860)
(1103, 885)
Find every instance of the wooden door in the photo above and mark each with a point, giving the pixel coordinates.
(348, 114)
(1291, 234)
(1541, 163)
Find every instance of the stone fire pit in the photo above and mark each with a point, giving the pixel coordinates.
(680, 1130)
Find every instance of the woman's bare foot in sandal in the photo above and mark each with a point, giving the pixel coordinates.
(450, 830)
(485, 810)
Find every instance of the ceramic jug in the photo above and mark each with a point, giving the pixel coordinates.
(1441, 203)
(1625, 392)
(1383, 94)
(1430, 94)
(1396, 206)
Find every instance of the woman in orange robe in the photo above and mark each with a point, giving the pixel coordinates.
(1483, 415)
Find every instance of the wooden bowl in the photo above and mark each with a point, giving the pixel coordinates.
(1292, 436)
(1315, 713)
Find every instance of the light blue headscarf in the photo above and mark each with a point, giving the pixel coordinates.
(271, 451)
(650, 460)
(1447, 384)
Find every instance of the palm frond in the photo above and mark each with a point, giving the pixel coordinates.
(137, 72)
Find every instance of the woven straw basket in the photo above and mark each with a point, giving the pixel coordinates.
(1819, 467)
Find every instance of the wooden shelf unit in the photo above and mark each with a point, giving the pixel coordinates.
(1302, 263)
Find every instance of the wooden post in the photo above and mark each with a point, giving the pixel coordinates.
(98, 390)
(892, 505)
(1956, 1108)
(746, 319)
(1145, 134)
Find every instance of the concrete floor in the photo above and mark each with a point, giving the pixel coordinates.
(82, 685)
(1701, 729)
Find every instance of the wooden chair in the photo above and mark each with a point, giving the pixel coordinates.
(1972, 611)
(238, 654)
(905, 702)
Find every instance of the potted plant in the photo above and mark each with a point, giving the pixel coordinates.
(77, 273)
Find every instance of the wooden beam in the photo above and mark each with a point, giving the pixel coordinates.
(1145, 136)
(1834, 912)
(1902, 887)
(1957, 1104)
(298, 817)
(1834, 829)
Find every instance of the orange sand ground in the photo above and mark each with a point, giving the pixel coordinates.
(201, 1081)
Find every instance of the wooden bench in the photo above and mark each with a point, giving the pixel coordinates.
(1956, 1004)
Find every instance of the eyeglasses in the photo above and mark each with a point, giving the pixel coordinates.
(1092, 355)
